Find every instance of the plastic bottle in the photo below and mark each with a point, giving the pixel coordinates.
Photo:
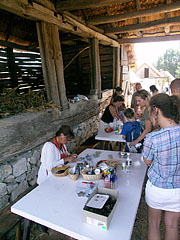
(115, 123)
(107, 183)
(139, 112)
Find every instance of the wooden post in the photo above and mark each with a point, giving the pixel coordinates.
(95, 66)
(121, 64)
(58, 60)
(43, 60)
(52, 63)
(12, 67)
(116, 67)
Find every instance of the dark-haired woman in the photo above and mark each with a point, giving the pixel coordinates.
(54, 153)
(112, 110)
(162, 153)
(142, 100)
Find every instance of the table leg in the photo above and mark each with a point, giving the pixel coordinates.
(26, 231)
(103, 144)
(18, 231)
(45, 229)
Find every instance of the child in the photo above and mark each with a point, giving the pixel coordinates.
(131, 129)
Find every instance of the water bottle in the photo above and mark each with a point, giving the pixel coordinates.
(115, 123)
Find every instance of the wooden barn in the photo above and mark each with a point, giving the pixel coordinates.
(50, 52)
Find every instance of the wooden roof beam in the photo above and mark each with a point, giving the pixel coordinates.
(18, 46)
(66, 23)
(143, 26)
(90, 33)
(150, 39)
(83, 4)
(141, 13)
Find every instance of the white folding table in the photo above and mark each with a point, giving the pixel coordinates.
(110, 137)
(55, 203)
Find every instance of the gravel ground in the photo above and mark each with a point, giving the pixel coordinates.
(139, 230)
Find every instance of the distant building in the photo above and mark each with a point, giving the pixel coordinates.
(148, 75)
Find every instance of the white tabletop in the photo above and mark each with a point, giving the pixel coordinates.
(56, 205)
(112, 136)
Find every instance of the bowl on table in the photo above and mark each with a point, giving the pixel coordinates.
(60, 171)
(108, 129)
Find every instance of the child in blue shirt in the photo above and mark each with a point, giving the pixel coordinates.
(131, 129)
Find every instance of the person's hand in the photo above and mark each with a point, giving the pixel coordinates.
(71, 158)
(133, 143)
(74, 156)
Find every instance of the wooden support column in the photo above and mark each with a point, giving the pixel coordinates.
(12, 66)
(116, 67)
(52, 63)
(121, 64)
(95, 67)
(58, 60)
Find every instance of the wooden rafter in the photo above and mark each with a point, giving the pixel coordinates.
(66, 23)
(141, 13)
(83, 4)
(143, 26)
(18, 46)
(149, 39)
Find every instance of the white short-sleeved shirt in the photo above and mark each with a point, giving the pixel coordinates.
(50, 157)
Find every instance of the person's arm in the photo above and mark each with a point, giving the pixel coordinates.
(114, 113)
(148, 150)
(49, 156)
(133, 101)
(148, 127)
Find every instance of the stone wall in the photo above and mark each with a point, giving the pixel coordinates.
(22, 137)
(20, 173)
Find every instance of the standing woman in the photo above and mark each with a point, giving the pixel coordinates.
(54, 152)
(142, 100)
(112, 110)
(162, 153)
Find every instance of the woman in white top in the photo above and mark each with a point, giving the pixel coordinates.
(54, 153)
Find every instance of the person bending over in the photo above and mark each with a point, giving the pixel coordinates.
(112, 110)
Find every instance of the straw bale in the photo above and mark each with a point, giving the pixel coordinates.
(13, 102)
(175, 28)
(122, 8)
(175, 13)
(131, 55)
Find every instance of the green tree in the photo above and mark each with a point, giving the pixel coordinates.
(170, 62)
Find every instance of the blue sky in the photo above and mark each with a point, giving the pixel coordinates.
(149, 52)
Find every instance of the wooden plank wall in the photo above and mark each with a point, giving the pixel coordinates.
(77, 74)
(28, 70)
(106, 59)
(5, 79)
